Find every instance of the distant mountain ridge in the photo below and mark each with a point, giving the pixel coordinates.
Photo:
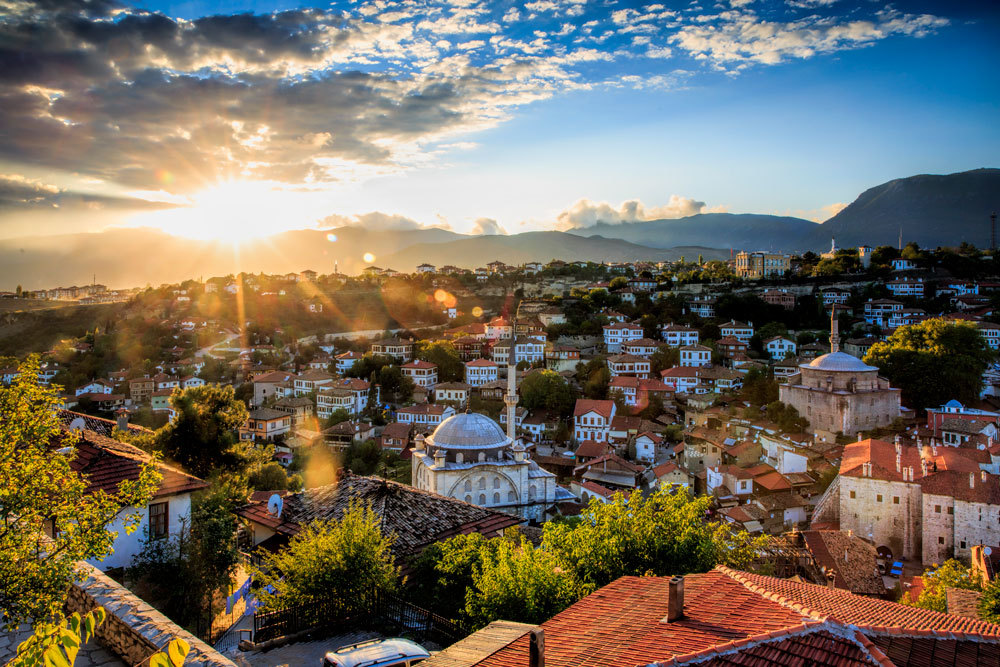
(740, 231)
(933, 210)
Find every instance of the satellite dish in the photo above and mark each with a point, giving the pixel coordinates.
(78, 424)
(987, 551)
(274, 505)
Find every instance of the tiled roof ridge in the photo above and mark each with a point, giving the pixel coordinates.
(741, 578)
(805, 628)
(744, 578)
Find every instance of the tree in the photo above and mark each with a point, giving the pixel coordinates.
(663, 534)
(203, 435)
(395, 386)
(952, 574)
(441, 352)
(989, 602)
(517, 582)
(786, 417)
(442, 573)
(342, 562)
(618, 283)
(547, 390)
(39, 490)
(269, 477)
(759, 387)
(183, 575)
(664, 358)
(953, 353)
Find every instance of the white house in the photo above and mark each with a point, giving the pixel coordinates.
(310, 381)
(738, 330)
(780, 347)
(423, 373)
(346, 360)
(643, 347)
(694, 356)
(620, 332)
(455, 392)
(592, 419)
(878, 311)
(645, 446)
(426, 268)
(498, 328)
(903, 264)
(906, 287)
(98, 386)
(105, 463)
(351, 394)
(628, 365)
(480, 371)
(676, 335)
(424, 414)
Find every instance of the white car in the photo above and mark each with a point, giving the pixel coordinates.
(393, 652)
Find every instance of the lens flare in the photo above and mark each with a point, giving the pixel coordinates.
(368, 257)
(332, 238)
(445, 299)
(477, 311)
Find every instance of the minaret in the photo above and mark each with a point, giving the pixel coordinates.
(511, 398)
(834, 333)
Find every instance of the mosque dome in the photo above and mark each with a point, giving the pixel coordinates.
(468, 430)
(839, 362)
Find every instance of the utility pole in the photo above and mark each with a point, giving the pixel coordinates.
(993, 231)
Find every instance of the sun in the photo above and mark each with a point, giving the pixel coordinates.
(234, 212)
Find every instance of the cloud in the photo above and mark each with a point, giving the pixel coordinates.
(586, 213)
(18, 192)
(735, 39)
(378, 221)
(821, 214)
(487, 227)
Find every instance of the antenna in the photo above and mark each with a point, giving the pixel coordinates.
(900, 247)
(274, 505)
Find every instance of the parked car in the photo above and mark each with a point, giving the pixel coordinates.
(389, 652)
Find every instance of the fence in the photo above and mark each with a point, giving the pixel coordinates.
(383, 611)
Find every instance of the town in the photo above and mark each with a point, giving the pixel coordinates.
(835, 415)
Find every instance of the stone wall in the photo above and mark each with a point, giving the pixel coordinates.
(134, 630)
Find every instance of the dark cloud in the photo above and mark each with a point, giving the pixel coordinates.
(25, 194)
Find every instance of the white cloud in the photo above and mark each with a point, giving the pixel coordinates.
(374, 221)
(586, 213)
(487, 227)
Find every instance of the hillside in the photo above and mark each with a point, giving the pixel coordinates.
(537, 246)
(728, 230)
(933, 210)
(131, 257)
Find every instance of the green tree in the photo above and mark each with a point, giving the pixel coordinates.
(662, 534)
(203, 436)
(520, 583)
(664, 358)
(759, 387)
(443, 353)
(343, 561)
(953, 353)
(269, 477)
(443, 571)
(396, 387)
(989, 602)
(547, 390)
(38, 491)
(951, 574)
(185, 574)
(618, 282)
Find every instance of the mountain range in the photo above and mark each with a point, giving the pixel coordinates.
(932, 210)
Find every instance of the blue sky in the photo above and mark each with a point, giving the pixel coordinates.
(215, 118)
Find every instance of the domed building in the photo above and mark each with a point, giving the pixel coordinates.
(470, 458)
(837, 392)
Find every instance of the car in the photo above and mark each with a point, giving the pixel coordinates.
(389, 652)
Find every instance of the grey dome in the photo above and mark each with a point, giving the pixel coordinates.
(468, 430)
(838, 361)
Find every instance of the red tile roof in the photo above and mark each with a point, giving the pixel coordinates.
(585, 405)
(736, 618)
(106, 463)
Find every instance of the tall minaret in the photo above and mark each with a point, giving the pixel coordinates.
(511, 398)
(834, 331)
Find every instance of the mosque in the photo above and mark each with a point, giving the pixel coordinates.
(470, 458)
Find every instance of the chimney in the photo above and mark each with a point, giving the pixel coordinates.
(972, 480)
(860, 437)
(899, 463)
(122, 419)
(675, 599)
(831, 576)
(982, 476)
(536, 648)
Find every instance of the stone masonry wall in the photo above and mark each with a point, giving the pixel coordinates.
(134, 630)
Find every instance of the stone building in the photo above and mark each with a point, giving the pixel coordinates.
(840, 393)
(929, 502)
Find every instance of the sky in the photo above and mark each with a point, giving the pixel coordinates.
(242, 118)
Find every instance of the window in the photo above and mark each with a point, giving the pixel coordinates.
(878, 498)
(853, 494)
(951, 510)
(940, 540)
(962, 544)
(496, 498)
(895, 500)
(937, 509)
(158, 520)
